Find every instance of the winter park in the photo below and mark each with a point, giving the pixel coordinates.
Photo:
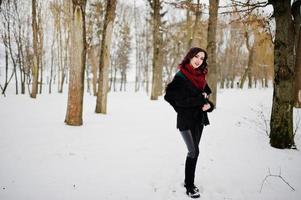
(150, 99)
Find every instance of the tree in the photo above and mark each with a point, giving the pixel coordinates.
(123, 51)
(297, 92)
(94, 24)
(35, 69)
(77, 64)
(157, 49)
(9, 34)
(211, 48)
(197, 9)
(281, 124)
(297, 71)
(101, 101)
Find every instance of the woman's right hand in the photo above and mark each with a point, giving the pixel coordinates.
(206, 107)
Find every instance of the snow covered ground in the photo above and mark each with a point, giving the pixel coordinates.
(135, 152)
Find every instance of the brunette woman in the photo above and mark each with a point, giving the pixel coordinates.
(188, 94)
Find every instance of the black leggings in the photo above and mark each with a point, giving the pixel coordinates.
(192, 139)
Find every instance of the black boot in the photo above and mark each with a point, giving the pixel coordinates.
(194, 187)
(190, 166)
(190, 191)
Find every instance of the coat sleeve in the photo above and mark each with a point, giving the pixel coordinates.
(207, 89)
(211, 106)
(176, 95)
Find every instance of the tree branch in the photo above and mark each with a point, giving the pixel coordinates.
(246, 7)
(277, 176)
(2, 90)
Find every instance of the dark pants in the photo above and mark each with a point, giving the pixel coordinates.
(192, 139)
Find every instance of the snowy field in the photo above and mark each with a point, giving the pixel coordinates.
(135, 152)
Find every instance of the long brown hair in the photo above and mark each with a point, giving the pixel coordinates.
(193, 52)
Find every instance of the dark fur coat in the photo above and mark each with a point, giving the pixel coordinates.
(187, 101)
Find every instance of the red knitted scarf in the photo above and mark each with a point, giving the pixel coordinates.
(196, 76)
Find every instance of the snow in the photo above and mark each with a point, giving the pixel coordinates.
(135, 152)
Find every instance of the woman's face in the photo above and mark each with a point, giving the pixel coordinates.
(197, 60)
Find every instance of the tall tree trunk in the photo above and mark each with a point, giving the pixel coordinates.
(297, 71)
(22, 64)
(137, 64)
(88, 79)
(35, 68)
(12, 56)
(157, 55)
(77, 64)
(196, 25)
(247, 72)
(114, 79)
(19, 43)
(101, 101)
(40, 52)
(211, 48)
(93, 59)
(281, 124)
(297, 82)
(121, 81)
(59, 67)
(61, 75)
(188, 26)
(51, 66)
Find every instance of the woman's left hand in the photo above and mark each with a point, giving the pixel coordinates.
(206, 107)
(205, 95)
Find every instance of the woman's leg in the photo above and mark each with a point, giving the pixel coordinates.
(192, 140)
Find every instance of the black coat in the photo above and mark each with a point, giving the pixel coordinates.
(187, 100)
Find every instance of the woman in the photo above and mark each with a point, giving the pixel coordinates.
(188, 94)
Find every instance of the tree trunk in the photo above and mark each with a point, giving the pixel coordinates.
(137, 64)
(281, 124)
(40, 51)
(188, 27)
(35, 68)
(101, 101)
(193, 41)
(247, 72)
(77, 64)
(297, 71)
(93, 59)
(51, 66)
(157, 55)
(12, 56)
(211, 48)
(114, 79)
(61, 72)
(297, 82)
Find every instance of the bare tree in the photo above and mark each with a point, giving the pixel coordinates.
(297, 93)
(95, 21)
(211, 47)
(198, 8)
(143, 48)
(281, 135)
(6, 35)
(137, 49)
(77, 64)
(297, 70)
(123, 51)
(40, 34)
(157, 49)
(35, 69)
(101, 101)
